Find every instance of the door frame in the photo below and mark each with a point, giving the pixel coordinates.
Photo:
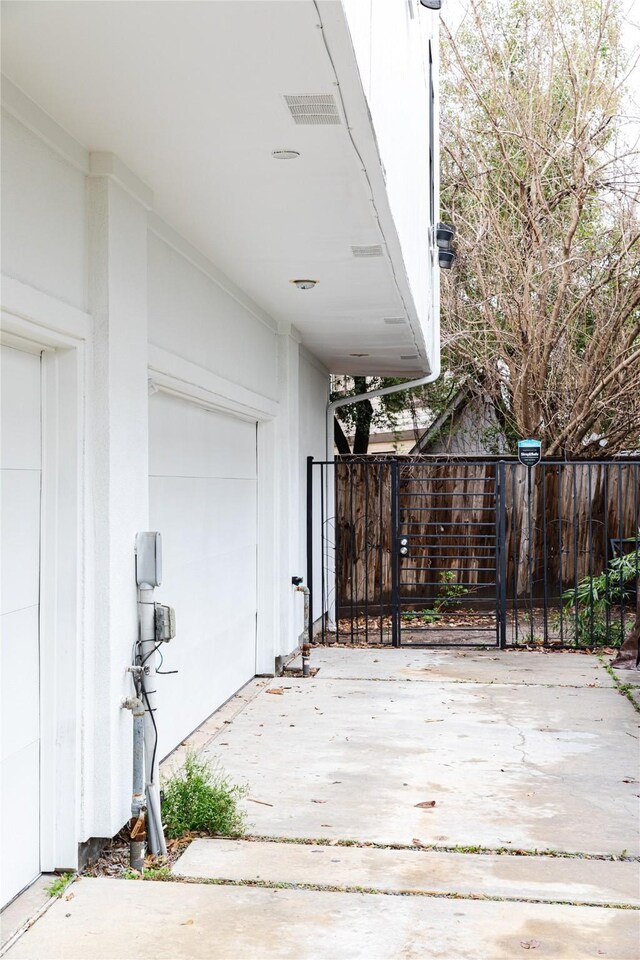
(189, 381)
(37, 323)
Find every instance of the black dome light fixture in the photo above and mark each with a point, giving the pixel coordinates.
(445, 235)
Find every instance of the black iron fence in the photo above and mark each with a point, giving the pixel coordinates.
(472, 552)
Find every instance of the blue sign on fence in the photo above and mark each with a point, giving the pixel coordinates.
(529, 452)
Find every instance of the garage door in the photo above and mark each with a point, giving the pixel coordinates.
(20, 462)
(203, 500)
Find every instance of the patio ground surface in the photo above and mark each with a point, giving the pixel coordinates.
(401, 804)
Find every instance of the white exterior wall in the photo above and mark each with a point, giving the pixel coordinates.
(193, 316)
(313, 399)
(117, 299)
(391, 49)
(44, 216)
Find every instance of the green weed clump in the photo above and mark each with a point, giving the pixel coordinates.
(59, 885)
(201, 799)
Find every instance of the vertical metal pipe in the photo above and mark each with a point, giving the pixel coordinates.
(621, 550)
(365, 468)
(395, 558)
(607, 604)
(137, 824)
(590, 528)
(137, 833)
(324, 554)
(306, 649)
(148, 657)
(515, 526)
(576, 623)
(352, 550)
(545, 569)
(502, 532)
(310, 538)
(561, 550)
(530, 549)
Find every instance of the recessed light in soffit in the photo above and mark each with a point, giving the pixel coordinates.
(314, 110)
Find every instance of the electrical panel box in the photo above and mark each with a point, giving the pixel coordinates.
(149, 559)
(165, 618)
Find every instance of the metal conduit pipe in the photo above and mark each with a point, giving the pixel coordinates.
(147, 659)
(137, 826)
(306, 630)
(306, 648)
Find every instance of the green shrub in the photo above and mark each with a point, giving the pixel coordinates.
(587, 606)
(200, 798)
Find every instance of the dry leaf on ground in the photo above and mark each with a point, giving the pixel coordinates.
(426, 803)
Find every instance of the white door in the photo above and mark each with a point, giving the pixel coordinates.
(20, 463)
(203, 500)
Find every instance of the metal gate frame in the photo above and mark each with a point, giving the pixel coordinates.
(463, 554)
(558, 524)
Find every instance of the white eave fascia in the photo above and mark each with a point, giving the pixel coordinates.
(340, 49)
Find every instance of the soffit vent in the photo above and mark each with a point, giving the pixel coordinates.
(321, 109)
(409, 356)
(394, 320)
(367, 250)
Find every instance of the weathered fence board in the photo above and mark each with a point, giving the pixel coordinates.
(579, 511)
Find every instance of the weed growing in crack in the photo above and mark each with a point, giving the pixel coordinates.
(200, 798)
(149, 873)
(625, 689)
(59, 885)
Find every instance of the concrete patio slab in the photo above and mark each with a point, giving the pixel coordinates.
(524, 766)
(116, 919)
(630, 677)
(476, 666)
(28, 905)
(523, 878)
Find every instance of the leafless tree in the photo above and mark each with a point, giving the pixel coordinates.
(540, 177)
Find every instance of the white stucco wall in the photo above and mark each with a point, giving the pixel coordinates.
(102, 285)
(44, 216)
(191, 315)
(313, 399)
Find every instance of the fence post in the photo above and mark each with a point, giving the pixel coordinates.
(310, 542)
(395, 556)
(502, 554)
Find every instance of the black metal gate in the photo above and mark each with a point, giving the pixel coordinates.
(454, 551)
(446, 530)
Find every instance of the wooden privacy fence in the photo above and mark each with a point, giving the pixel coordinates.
(564, 524)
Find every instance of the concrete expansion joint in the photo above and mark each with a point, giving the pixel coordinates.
(444, 681)
(381, 891)
(470, 849)
(624, 689)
